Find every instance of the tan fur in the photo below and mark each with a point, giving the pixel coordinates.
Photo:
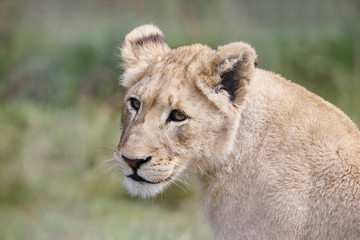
(275, 161)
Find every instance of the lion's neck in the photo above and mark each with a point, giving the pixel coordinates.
(229, 179)
(246, 142)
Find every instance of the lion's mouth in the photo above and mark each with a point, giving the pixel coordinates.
(138, 178)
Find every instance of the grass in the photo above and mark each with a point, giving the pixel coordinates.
(53, 184)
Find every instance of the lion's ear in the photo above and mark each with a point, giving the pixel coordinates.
(141, 45)
(235, 64)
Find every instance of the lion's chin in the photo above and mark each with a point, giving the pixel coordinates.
(143, 189)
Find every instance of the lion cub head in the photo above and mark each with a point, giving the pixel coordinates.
(181, 109)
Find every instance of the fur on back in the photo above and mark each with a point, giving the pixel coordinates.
(275, 160)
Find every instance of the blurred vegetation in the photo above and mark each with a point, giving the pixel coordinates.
(60, 101)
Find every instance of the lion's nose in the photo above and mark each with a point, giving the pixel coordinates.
(135, 163)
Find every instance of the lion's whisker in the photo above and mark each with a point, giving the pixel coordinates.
(178, 185)
(183, 181)
(108, 148)
(202, 171)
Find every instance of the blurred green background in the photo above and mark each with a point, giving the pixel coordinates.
(60, 102)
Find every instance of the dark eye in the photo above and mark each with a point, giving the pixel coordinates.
(135, 104)
(177, 116)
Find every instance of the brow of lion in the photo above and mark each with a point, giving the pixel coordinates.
(186, 67)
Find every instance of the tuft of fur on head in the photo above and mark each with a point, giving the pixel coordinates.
(141, 46)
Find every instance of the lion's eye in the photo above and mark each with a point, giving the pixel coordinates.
(135, 104)
(177, 116)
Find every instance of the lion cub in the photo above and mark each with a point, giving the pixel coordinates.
(275, 160)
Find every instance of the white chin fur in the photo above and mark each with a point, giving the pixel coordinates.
(142, 189)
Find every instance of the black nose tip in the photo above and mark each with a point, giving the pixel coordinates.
(135, 163)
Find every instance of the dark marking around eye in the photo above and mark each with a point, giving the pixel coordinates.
(177, 116)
